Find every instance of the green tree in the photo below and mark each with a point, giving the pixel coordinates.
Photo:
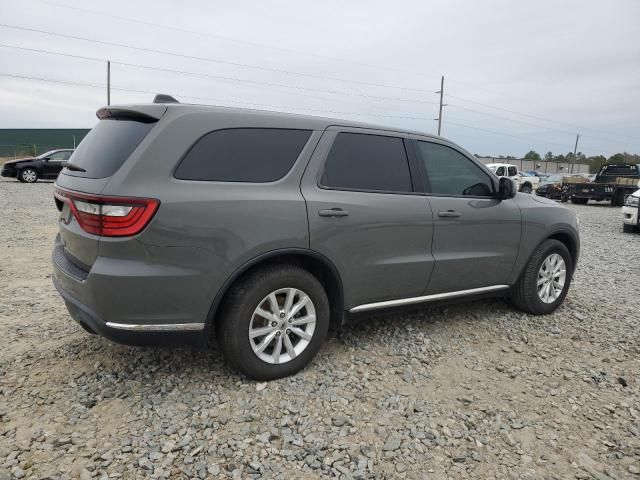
(548, 157)
(531, 155)
(596, 162)
(617, 158)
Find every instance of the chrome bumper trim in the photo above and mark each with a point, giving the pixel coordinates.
(162, 327)
(426, 298)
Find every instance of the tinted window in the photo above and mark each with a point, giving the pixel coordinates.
(243, 155)
(104, 150)
(367, 162)
(500, 172)
(513, 171)
(451, 173)
(59, 156)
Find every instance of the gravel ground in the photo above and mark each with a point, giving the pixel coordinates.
(477, 390)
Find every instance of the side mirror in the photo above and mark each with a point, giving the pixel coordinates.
(506, 189)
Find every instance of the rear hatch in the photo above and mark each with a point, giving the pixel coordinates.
(85, 215)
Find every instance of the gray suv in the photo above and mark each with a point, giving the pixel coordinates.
(263, 230)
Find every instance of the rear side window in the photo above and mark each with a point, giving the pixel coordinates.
(106, 147)
(451, 173)
(367, 162)
(255, 155)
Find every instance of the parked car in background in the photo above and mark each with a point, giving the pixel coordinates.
(262, 229)
(29, 170)
(551, 187)
(524, 184)
(631, 213)
(613, 182)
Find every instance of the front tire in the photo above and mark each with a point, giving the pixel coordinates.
(28, 175)
(545, 281)
(273, 322)
(626, 228)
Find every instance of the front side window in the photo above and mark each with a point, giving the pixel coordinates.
(367, 162)
(60, 156)
(451, 173)
(500, 172)
(256, 155)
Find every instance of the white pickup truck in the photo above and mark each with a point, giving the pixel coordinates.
(523, 183)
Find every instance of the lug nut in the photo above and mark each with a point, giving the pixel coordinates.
(281, 314)
(288, 331)
(274, 324)
(277, 334)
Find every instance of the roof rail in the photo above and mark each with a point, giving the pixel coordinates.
(163, 98)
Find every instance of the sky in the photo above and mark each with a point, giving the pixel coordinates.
(519, 76)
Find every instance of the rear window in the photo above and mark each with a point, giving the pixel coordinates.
(106, 147)
(255, 155)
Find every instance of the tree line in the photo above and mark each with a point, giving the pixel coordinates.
(594, 162)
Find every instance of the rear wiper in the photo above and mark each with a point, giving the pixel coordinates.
(74, 168)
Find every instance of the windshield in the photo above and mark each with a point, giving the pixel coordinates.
(553, 179)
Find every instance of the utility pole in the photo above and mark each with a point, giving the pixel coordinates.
(441, 92)
(108, 82)
(575, 150)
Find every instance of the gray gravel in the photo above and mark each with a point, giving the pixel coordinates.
(468, 391)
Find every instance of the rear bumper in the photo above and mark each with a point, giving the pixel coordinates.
(138, 302)
(88, 320)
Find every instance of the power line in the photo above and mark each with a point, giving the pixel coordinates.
(611, 140)
(505, 134)
(539, 118)
(210, 60)
(103, 86)
(217, 77)
(222, 37)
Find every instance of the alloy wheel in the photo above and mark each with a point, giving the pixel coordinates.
(282, 325)
(551, 278)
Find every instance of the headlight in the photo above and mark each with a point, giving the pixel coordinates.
(632, 201)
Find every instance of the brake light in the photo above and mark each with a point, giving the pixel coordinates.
(108, 216)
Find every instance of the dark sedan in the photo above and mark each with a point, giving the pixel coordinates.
(29, 170)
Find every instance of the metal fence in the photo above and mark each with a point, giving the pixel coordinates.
(540, 167)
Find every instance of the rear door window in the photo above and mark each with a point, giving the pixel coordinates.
(367, 162)
(256, 155)
(513, 171)
(106, 147)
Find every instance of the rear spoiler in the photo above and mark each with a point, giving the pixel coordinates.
(141, 113)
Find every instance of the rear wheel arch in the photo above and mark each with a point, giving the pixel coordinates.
(318, 265)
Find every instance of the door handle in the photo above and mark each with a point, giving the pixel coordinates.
(333, 212)
(449, 214)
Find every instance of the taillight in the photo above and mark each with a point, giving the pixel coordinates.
(108, 216)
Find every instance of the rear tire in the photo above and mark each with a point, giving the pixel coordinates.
(579, 201)
(526, 295)
(240, 318)
(28, 175)
(526, 188)
(626, 228)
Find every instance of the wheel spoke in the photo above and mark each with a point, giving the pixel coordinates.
(273, 302)
(298, 306)
(259, 332)
(301, 333)
(291, 293)
(277, 349)
(303, 320)
(289, 347)
(541, 280)
(266, 315)
(265, 342)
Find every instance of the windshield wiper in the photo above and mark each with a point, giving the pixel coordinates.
(74, 168)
